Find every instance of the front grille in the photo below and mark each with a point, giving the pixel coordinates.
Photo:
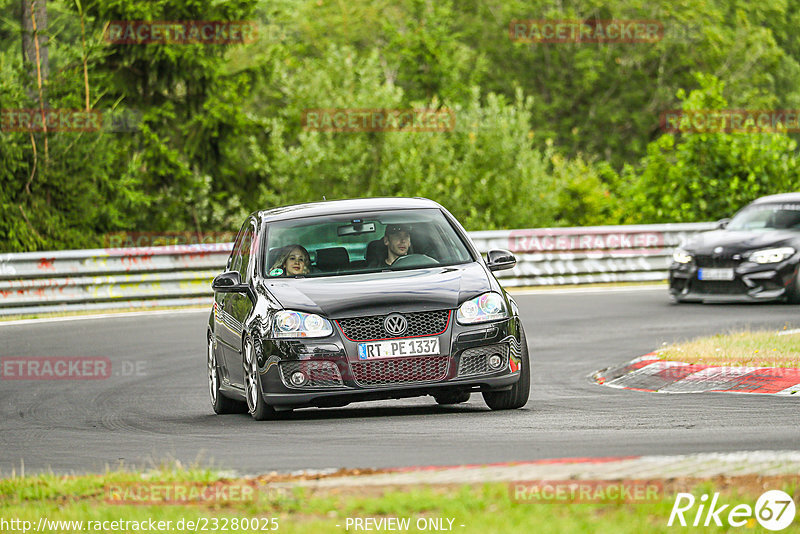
(400, 370)
(320, 373)
(419, 324)
(714, 287)
(718, 260)
(476, 361)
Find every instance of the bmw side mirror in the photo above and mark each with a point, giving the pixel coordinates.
(499, 259)
(723, 223)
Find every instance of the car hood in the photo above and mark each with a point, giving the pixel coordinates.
(377, 293)
(738, 241)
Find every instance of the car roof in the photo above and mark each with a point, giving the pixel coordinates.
(783, 197)
(328, 207)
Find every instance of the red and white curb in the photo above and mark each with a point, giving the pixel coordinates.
(651, 373)
(613, 468)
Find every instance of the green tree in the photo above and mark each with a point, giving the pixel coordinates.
(707, 176)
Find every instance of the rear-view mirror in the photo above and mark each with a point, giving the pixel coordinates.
(355, 228)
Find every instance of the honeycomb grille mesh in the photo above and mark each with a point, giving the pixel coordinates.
(371, 327)
(400, 370)
(320, 373)
(720, 260)
(476, 361)
(714, 287)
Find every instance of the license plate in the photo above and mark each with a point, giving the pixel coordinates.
(401, 347)
(715, 274)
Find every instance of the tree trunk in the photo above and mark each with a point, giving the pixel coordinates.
(34, 54)
(34, 39)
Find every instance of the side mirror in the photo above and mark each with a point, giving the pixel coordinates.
(723, 223)
(229, 282)
(498, 260)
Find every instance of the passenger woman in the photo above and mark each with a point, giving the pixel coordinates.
(292, 261)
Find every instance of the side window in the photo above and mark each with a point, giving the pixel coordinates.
(244, 255)
(235, 261)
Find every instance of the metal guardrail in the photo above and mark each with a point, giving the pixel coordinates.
(142, 277)
(44, 282)
(591, 254)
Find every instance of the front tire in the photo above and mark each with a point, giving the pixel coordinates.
(675, 299)
(517, 396)
(219, 402)
(256, 406)
(793, 291)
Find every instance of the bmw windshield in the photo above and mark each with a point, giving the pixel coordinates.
(354, 243)
(767, 217)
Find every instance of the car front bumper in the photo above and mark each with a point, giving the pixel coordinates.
(751, 283)
(336, 377)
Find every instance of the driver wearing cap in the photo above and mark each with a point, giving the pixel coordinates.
(398, 242)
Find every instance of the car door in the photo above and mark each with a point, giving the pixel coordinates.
(222, 324)
(237, 306)
(225, 327)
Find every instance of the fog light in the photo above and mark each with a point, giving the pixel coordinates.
(298, 379)
(495, 361)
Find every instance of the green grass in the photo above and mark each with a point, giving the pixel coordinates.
(761, 348)
(483, 508)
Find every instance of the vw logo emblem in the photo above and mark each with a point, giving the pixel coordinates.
(395, 324)
(718, 250)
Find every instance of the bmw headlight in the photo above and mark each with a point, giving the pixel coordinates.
(681, 256)
(298, 324)
(771, 255)
(486, 307)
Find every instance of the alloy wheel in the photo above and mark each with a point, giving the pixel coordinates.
(250, 376)
(213, 374)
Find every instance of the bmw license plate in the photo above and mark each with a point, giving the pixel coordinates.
(401, 347)
(715, 274)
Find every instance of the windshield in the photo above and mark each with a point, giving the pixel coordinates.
(767, 217)
(362, 242)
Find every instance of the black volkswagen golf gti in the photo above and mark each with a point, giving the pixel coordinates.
(753, 257)
(329, 303)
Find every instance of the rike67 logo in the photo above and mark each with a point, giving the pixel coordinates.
(774, 510)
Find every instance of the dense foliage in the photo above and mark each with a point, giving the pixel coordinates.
(545, 134)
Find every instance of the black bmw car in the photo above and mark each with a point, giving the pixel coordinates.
(329, 303)
(753, 257)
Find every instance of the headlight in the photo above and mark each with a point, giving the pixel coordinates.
(486, 307)
(299, 324)
(681, 256)
(771, 255)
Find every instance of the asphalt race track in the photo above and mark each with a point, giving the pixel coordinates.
(154, 406)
